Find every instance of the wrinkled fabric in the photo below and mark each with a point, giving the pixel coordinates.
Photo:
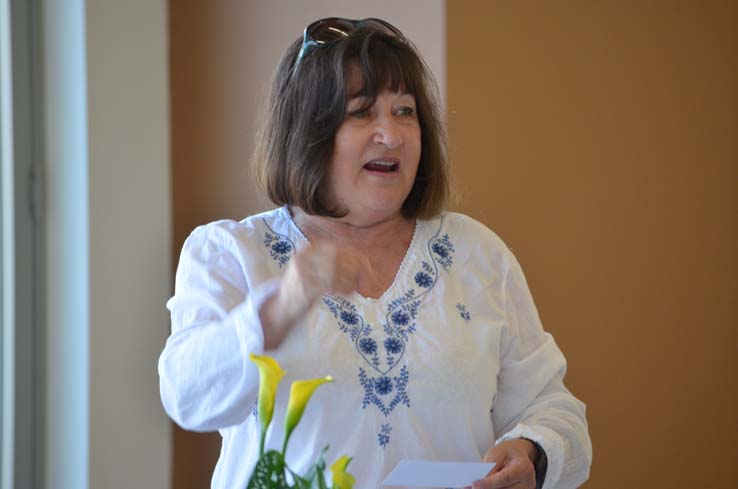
(451, 359)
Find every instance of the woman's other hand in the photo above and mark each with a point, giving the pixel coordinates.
(319, 269)
(514, 466)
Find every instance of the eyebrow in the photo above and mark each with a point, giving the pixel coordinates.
(363, 93)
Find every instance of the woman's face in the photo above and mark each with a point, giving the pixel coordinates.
(375, 157)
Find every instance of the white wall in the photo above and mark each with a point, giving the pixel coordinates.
(109, 243)
(269, 27)
(130, 245)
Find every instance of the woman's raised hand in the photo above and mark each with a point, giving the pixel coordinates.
(319, 269)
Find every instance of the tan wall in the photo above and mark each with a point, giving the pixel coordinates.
(600, 140)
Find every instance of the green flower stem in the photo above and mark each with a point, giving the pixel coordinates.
(261, 441)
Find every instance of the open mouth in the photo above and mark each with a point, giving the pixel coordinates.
(382, 166)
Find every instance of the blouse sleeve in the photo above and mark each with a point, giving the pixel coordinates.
(532, 401)
(206, 380)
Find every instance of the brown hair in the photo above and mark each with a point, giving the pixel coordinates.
(305, 110)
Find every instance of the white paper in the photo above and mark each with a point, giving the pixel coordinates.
(418, 473)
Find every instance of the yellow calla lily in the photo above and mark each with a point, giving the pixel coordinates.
(270, 373)
(300, 393)
(341, 478)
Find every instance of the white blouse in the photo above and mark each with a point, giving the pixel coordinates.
(449, 360)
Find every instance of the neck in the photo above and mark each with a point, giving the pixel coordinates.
(352, 232)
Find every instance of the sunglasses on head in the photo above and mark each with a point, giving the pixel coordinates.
(331, 29)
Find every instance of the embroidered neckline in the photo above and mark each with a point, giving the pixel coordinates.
(384, 377)
(385, 385)
(400, 269)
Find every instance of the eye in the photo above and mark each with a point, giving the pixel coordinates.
(407, 111)
(356, 107)
(358, 114)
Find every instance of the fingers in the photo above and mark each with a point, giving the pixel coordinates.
(513, 469)
(514, 475)
(496, 455)
(509, 477)
(324, 268)
(319, 269)
(339, 269)
(349, 267)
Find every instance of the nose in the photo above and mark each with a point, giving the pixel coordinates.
(387, 132)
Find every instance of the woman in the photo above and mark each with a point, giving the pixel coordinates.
(422, 316)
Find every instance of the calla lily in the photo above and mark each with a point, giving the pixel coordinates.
(300, 393)
(341, 478)
(270, 373)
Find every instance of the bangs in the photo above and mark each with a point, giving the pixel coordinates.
(380, 62)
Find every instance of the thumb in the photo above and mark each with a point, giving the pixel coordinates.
(497, 456)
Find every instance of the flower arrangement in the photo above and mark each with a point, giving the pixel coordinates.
(271, 470)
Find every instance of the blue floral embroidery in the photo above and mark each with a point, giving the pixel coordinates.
(443, 249)
(440, 250)
(383, 386)
(382, 389)
(399, 325)
(368, 345)
(349, 317)
(280, 246)
(401, 315)
(383, 435)
(423, 280)
(349, 321)
(463, 312)
(400, 318)
(393, 345)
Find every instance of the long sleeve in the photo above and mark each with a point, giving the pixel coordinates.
(532, 401)
(206, 380)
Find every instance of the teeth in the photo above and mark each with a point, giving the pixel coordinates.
(383, 162)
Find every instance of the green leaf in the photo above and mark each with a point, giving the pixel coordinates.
(320, 463)
(310, 476)
(320, 483)
(269, 472)
(314, 477)
(315, 474)
(300, 482)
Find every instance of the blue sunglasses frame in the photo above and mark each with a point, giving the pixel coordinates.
(332, 29)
